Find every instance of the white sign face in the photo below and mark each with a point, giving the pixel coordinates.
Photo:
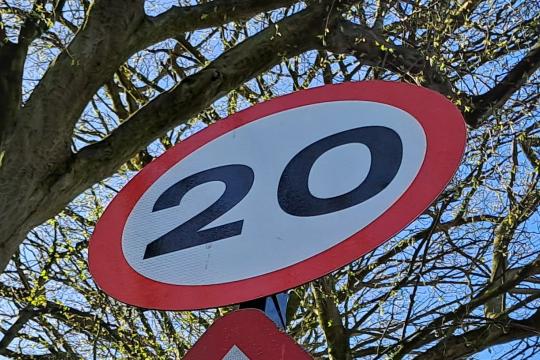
(365, 136)
(277, 195)
(235, 354)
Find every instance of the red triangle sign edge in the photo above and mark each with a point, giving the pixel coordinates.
(253, 333)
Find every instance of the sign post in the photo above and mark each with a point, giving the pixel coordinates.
(274, 306)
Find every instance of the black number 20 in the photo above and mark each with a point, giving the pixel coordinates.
(293, 193)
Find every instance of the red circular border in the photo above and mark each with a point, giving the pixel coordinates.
(445, 131)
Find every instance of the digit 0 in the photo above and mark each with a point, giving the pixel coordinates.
(386, 149)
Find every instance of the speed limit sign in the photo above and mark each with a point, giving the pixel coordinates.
(277, 195)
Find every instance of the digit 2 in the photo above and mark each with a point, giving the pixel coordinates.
(238, 180)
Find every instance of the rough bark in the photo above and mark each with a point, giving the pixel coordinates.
(371, 47)
(331, 322)
(36, 158)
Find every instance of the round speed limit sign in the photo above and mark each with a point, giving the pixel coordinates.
(277, 195)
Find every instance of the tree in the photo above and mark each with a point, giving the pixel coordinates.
(91, 91)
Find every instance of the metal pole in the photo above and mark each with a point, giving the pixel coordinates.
(274, 306)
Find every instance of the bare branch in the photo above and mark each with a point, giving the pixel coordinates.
(372, 48)
(495, 333)
(193, 94)
(496, 97)
(25, 315)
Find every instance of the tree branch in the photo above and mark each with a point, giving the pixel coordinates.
(431, 331)
(327, 311)
(372, 47)
(178, 20)
(496, 333)
(484, 104)
(114, 30)
(504, 233)
(25, 315)
(191, 96)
